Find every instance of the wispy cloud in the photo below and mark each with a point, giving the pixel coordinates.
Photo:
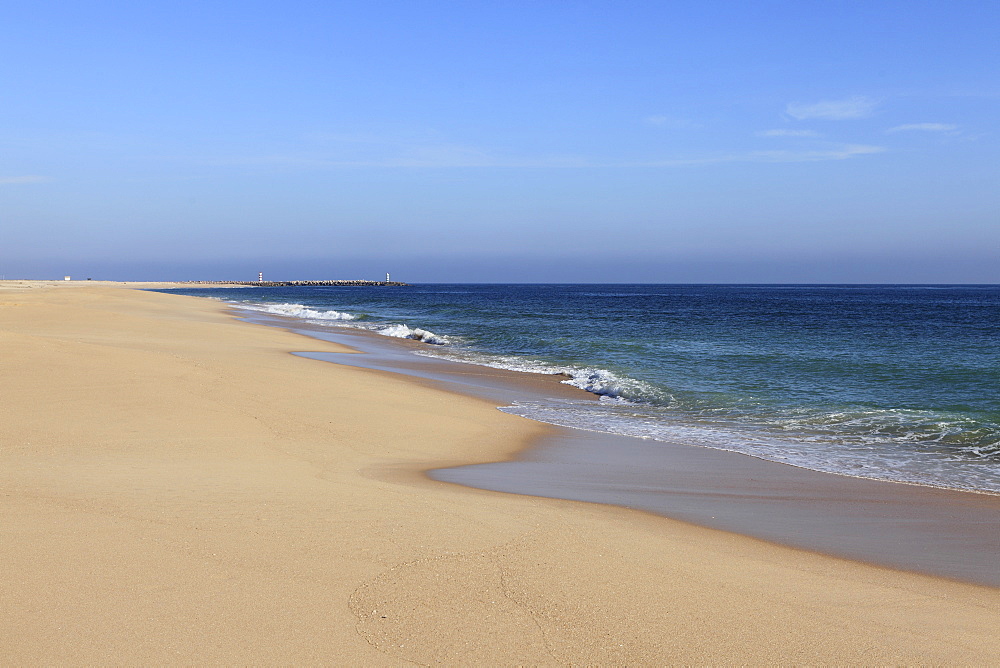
(924, 127)
(15, 180)
(424, 157)
(837, 153)
(788, 133)
(415, 150)
(449, 155)
(446, 157)
(843, 152)
(834, 110)
(347, 151)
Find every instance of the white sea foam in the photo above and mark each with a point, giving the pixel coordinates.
(341, 318)
(299, 311)
(858, 458)
(602, 382)
(609, 384)
(403, 332)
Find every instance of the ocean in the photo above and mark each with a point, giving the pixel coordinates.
(898, 383)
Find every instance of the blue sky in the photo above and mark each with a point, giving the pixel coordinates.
(502, 141)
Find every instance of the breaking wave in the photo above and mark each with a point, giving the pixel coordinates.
(602, 382)
(417, 334)
(298, 311)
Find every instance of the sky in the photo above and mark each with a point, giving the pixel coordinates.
(463, 141)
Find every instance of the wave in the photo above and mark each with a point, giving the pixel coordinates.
(606, 383)
(403, 332)
(298, 311)
(602, 382)
(396, 330)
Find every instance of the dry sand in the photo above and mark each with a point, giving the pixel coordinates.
(178, 489)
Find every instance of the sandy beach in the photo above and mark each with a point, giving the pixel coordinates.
(177, 488)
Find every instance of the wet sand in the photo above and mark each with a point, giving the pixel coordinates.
(940, 532)
(178, 488)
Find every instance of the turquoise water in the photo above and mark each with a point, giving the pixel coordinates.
(887, 382)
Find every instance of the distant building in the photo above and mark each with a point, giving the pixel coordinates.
(67, 278)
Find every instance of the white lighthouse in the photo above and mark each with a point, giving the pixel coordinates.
(386, 277)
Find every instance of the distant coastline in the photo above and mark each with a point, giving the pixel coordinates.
(33, 282)
(286, 284)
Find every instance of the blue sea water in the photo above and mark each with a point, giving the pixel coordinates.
(894, 383)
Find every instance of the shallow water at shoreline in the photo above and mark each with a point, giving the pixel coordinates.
(938, 532)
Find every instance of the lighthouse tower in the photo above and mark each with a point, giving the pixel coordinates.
(386, 277)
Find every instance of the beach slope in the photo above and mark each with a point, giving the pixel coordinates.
(176, 488)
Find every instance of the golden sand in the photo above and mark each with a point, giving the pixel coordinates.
(176, 488)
